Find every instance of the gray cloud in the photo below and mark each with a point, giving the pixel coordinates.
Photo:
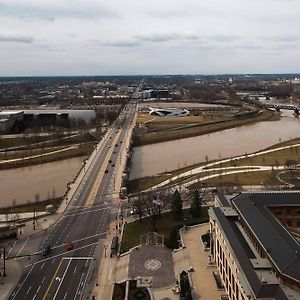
(166, 37)
(120, 44)
(16, 39)
(282, 38)
(223, 38)
(50, 12)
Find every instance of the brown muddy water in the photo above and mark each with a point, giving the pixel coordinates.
(153, 159)
(49, 180)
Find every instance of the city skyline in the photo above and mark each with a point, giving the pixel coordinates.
(149, 37)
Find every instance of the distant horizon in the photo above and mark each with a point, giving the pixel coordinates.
(149, 75)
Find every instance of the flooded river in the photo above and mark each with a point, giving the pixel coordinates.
(153, 159)
(49, 180)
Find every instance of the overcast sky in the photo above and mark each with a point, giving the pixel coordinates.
(97, 37)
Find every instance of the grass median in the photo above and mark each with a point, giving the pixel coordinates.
(248, 178)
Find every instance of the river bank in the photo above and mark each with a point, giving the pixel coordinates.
(202, 128)
(155, 159)
(47, 157)
(251, 169)
(20, 152)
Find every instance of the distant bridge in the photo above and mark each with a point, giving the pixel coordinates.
(278, 107)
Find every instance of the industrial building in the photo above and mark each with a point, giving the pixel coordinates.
(9, 118)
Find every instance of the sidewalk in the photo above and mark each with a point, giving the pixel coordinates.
(197, 258)
(107, 275)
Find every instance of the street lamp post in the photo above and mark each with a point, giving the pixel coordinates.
(33, 219)
(4, 268)
(96, 270)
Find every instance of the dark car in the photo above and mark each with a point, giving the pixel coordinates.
(69, 246)
(110, 161)
(46, 251)
(106, 171)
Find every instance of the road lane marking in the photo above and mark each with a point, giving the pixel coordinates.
(36, 293)
(86, 278)
(42, 266)
(72, 214)
(65, 296)
(61, 280)
(52, 280)
(28, 290)
(22, 248)
(79, 284)
(61, 254)
(11, 248)
(23, 283)
(79, 258)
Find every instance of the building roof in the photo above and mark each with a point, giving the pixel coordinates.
(281, 247)
(244, 254)
(10, 112)
(223, 200)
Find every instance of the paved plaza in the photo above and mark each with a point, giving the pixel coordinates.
(203, 280)
(155, 261)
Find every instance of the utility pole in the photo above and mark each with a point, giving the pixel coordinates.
(4, 271)
(33, 219)
(105, 247)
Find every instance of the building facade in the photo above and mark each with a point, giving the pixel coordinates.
(255, 253)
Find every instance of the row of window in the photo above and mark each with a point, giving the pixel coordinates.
(227, 274)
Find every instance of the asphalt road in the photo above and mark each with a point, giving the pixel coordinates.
(67, 274)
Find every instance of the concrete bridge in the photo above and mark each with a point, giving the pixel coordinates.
(278, 107)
